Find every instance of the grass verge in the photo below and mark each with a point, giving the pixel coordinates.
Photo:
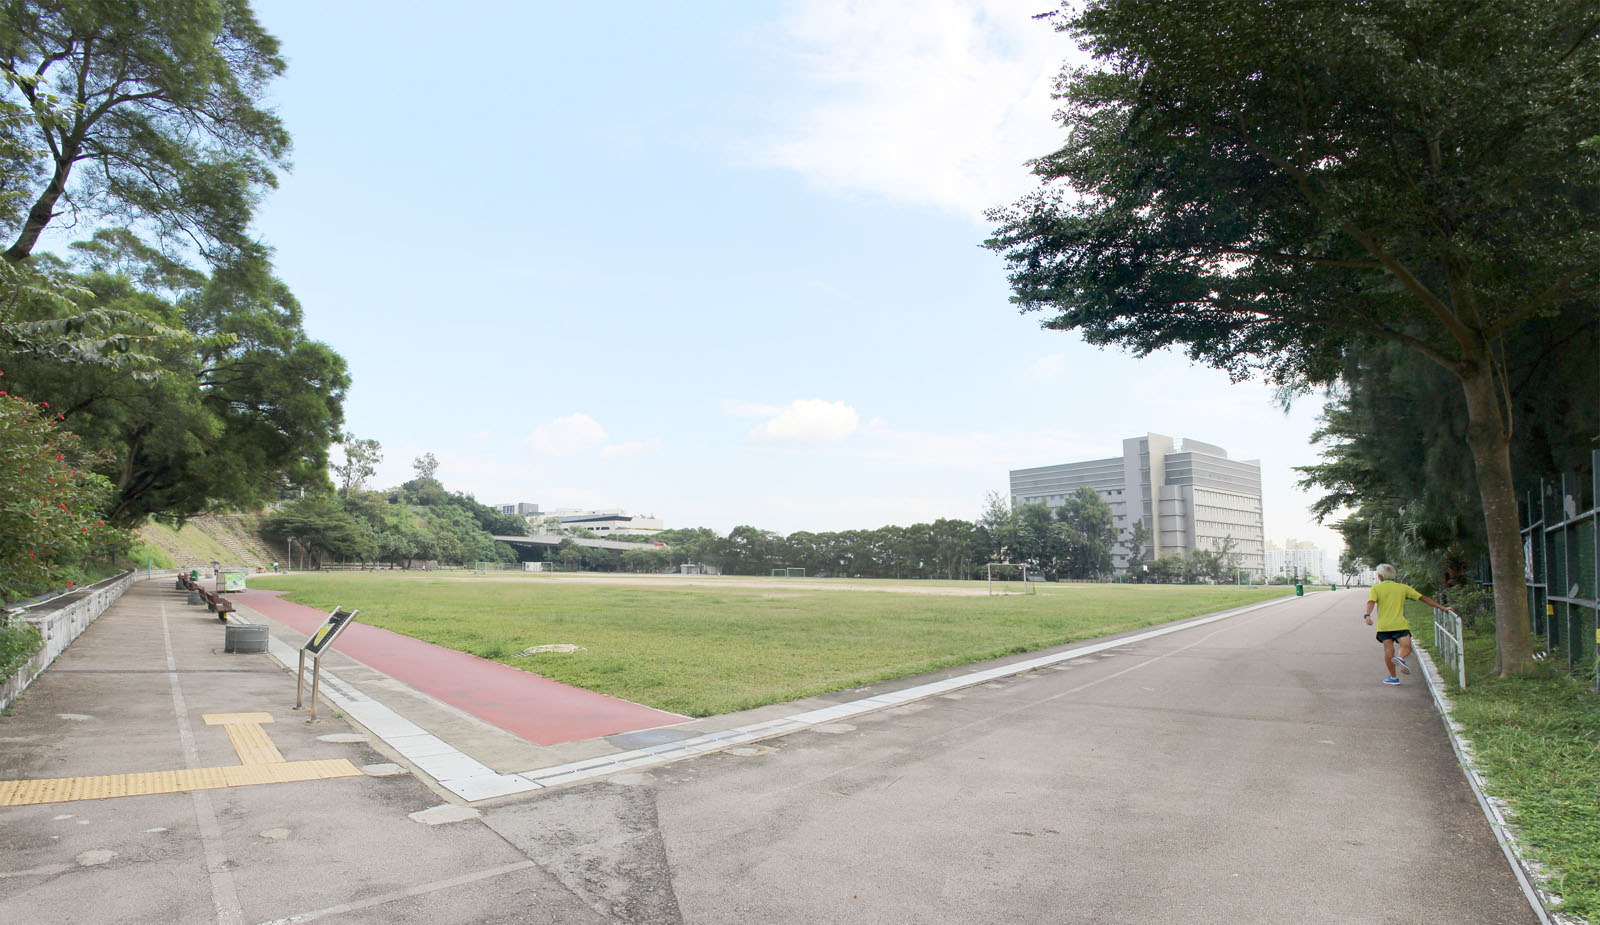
(1536, 742)
(717, 647)
(18, 642)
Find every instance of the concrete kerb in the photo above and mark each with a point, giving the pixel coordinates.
(1525, 869)
(461, 777)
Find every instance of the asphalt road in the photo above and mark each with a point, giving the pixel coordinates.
(1252, 770)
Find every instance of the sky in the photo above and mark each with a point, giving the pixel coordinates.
(718, 263)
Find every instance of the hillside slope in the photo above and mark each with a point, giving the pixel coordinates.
(231, 539)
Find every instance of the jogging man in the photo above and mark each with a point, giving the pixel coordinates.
(1391, 597)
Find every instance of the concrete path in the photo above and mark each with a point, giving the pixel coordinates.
(130, 696)
(1250, 769)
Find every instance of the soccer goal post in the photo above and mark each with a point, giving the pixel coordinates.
(1005, 573)
(788, 573)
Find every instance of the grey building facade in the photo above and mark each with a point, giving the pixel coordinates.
(1189, 494)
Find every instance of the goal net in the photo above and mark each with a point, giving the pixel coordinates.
(1008, 578)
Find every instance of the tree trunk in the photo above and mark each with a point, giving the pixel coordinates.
(1490, 440)
(44, 207)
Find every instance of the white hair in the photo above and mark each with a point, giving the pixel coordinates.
(1386, 572)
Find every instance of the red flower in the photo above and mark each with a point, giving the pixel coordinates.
(63, 506)
(45, 403)
(100, 522)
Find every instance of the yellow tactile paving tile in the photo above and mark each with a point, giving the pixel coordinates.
(107, 786)
(252, 744)
(223, 719)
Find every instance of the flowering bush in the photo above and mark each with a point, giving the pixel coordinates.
(50, 504)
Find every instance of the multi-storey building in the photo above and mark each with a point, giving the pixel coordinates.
(1298, 561)
(1189, 495)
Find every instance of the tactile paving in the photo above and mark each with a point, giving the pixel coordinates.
(107, 786)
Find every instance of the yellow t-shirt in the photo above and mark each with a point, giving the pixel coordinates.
(1391, 597)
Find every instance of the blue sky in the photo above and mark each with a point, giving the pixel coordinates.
(718, 263)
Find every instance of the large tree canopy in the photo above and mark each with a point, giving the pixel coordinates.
(228, 422)
(1392, 456)
(1272, 186)
(144, 113)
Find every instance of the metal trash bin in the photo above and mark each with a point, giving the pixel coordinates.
(245, 637)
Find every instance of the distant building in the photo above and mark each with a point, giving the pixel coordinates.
(1299, 560)
(1190, 495)
(606, 522)
(520, 509)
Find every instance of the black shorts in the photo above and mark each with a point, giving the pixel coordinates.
(1385, 635)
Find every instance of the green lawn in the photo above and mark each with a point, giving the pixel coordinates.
(1537, 743)
(731, 644)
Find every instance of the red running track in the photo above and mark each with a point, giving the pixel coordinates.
(538, 709)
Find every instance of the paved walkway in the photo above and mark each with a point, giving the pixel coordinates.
(131, 699)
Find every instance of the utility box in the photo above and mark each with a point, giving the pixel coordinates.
(244, 638)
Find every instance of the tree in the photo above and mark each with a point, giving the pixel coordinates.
(1091, 533)
(361, 458)
(322, 524)
(1136, 541)
(1214, 565)
(50, 504)
(998, 524)
(1273, 186)
(148, 114)
(427, 467)
(1393, 465)
(226, 423)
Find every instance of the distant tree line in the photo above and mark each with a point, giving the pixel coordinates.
(1073, 541)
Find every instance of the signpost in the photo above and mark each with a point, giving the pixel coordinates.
(320, 642)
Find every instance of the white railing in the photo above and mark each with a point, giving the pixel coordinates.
(59, 627)
(1447, 639)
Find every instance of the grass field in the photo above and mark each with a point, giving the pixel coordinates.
(1537, 742)
(707, 646)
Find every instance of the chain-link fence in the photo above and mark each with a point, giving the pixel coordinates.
(1560, 520)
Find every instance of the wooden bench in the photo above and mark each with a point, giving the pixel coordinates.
(217, 604)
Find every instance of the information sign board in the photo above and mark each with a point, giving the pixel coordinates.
(329, 630)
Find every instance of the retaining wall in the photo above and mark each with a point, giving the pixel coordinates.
(61, 620)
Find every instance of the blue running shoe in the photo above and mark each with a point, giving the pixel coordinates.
(1401, 664)
(1391, 680)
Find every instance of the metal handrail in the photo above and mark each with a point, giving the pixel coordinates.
(1447, 637)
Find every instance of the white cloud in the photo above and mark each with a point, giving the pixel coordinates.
(809, 421)
(568, 435)
(632, 448)
(936, 102)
